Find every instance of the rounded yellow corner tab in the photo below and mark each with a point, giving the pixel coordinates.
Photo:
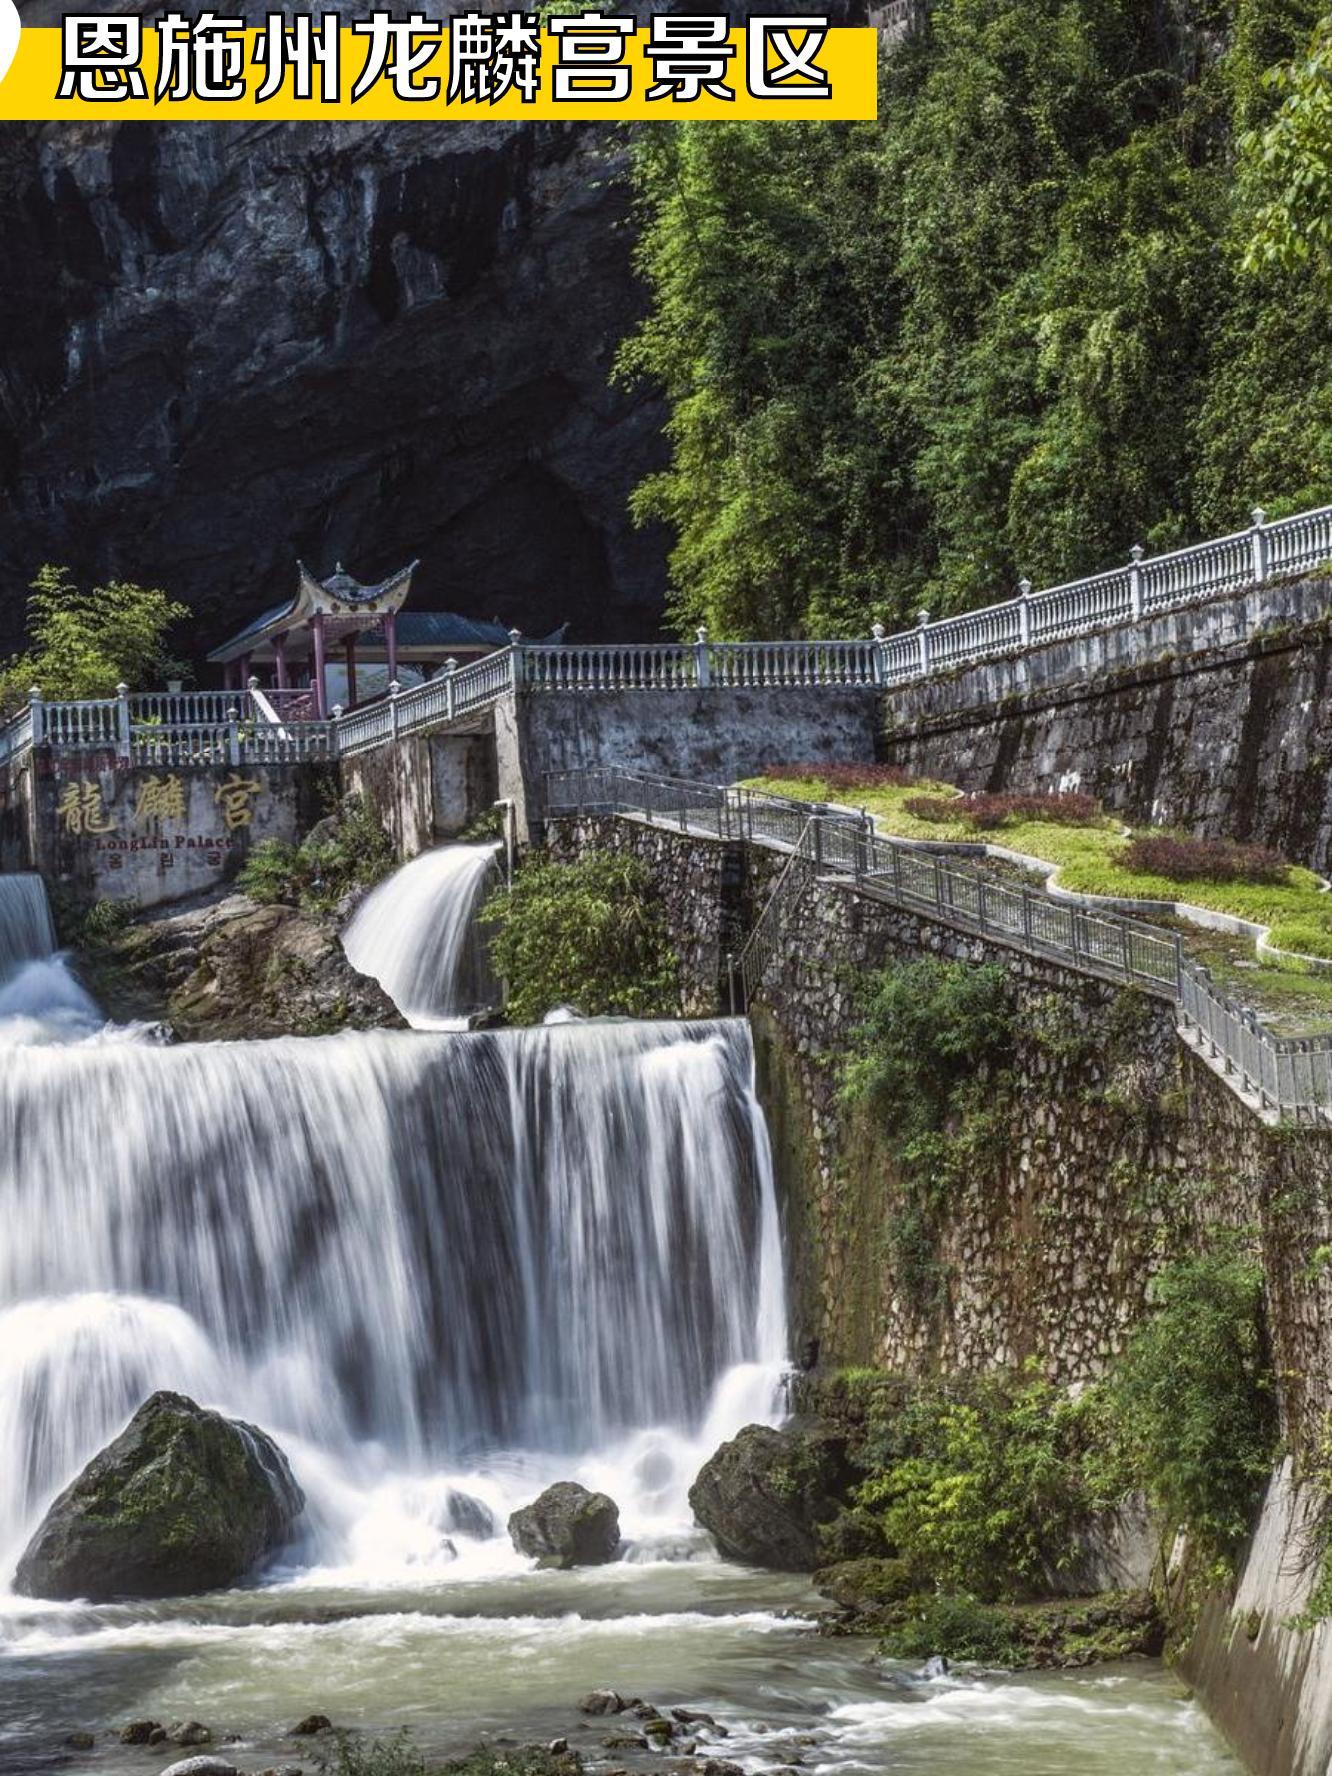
(794, 72)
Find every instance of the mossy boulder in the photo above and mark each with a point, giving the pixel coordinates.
(764, 1495)
(183, 1500)
(568, 1526)
(867, 1583)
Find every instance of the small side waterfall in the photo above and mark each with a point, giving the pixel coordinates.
(40, 999)
(27, 933)
(416, 935)
(403, 1254)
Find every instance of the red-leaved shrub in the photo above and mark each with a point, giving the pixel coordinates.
(844, 776)
(1203, 860)
(934, 808)
(983, 813)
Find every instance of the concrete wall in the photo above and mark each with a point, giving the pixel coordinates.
(427, 788)
(157, 834)
(1232, 742)
(713, 736)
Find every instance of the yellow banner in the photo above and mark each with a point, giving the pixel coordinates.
(586, 67)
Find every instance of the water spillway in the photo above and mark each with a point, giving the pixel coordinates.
(416, 934)
(430, 1247)
(27, 933)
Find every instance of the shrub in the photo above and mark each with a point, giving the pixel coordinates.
(954, 1625)
(588, 934)
(105, 922)
(843, 776)
(1190, 1402)
(986, 813)
(377, 1757)
(347, 850)
(979, 1485)
(935, 809)
(923, 1058)
(1303, 939)
(1202, 860)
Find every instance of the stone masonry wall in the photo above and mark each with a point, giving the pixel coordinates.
(1232, 742)
(1117, 1150)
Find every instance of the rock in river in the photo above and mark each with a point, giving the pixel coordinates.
(183, 1500)
(568, 1526)
(763, 1495)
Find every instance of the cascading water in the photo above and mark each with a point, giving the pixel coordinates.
(40, 1000)
(410, 1256)
(416, 935)
(443, 1270)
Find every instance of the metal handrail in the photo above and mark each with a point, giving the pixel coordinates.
(1291, 1076)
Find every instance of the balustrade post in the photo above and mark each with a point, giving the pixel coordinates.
(702, 664)
(879, 654)
(123, 720)
(450, 672)
(516, 661)
(233, 735)
(395, 691)
(1135, 581)
(923, 640)
(37, 704)
(1024, 612)
(1260, 544)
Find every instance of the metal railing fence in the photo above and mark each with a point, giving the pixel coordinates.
(1290, 1076)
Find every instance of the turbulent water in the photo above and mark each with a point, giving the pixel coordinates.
(443, 1270)
(416, 935)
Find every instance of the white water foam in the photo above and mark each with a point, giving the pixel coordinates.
(416, 935)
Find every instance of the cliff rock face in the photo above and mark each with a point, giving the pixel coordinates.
(223, 347)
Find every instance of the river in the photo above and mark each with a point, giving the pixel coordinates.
(443, 1269)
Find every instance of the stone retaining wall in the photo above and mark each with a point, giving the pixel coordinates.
(1117, 1149)
(1233, 742)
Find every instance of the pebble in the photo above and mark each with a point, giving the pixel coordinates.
(140, 1732)
(602, 1702)
(187, 1733)
(558, 1747)
(80, 1741)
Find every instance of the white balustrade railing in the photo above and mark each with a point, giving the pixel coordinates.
(1130, 594)
(1291, 1076)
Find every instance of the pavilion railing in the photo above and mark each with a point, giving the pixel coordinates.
(1289, 1076)
(1145, 588)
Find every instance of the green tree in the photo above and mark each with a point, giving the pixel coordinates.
(1191, 1399)
(83, 643)
(588, 934)
(1007, 329)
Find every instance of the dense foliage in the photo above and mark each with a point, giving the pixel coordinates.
(83, 643)
(348, 850)
(986, 812)
(1022, 321)
(927, 1058)
(587, 934)
(977, 1486)
(1191, 1401)
(1186, 859)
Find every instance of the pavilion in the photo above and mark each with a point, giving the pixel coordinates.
(339, 625)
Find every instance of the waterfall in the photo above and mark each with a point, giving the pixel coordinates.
(40, 999)
(405, 1255)
(26, 931)
(416, 935)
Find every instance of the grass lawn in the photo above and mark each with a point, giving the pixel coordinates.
(1089, 857)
